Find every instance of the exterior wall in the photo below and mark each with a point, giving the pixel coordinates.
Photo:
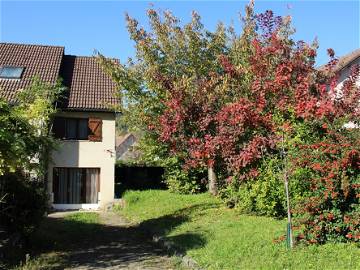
(88, 154)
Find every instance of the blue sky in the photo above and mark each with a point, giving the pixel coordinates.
(82, 26)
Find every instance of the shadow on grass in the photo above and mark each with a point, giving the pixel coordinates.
(93, 245)
(165, 224)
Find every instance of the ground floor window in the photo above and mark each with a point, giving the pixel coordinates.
(76, 185)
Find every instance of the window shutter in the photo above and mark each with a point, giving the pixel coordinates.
(59, 127)
(95, 126)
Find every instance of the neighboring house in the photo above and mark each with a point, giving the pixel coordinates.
(343, 68)
(126, 147)
(81, 170)
(345, 64)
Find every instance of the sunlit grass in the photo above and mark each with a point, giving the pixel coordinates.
(221, 238)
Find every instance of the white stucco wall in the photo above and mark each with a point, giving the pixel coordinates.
(87, 154)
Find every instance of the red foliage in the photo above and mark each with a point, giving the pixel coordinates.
(330, 211)
(283, 79)
(209, 126)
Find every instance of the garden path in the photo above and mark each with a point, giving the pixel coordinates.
(116, 244)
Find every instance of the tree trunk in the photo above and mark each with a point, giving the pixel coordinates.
(213, 188)
(286, 183)
(289, 230)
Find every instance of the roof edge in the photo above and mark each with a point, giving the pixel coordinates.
(26, 44)
(343, 61)
(87, 110)
(88, 56)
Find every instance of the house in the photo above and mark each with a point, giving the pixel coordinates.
(125, 146)
(343, 68)
(345, 64)
(81, 170)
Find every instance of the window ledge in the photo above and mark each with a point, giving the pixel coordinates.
(78, 140)
(74, 140)
(11, 79)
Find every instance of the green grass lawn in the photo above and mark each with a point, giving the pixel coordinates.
(221, 238)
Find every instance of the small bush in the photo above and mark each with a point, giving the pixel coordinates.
(183, 181)
(265, 195)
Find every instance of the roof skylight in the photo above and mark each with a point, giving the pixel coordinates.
(9, 72)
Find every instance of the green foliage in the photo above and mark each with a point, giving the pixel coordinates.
(126, 163)
(265, 195)
(37, 103)
(18, 140)
(24, 133)
(25, 203)
(183, 52)
(183, 181)
(25, 142)
(153, 153)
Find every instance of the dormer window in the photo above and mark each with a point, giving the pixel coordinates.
(10, 72)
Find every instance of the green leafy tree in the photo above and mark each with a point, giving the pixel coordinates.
(25, 135)
(170, 56)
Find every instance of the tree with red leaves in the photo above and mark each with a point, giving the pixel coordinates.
(169, 93)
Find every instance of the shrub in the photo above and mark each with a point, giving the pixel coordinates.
(25, 203)
(265, 194)
(183, 181)
(331, 210)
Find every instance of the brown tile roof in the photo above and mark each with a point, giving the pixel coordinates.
(344, 61)
(122, 138)
(347, 59)
(90, 87)
(43, 61)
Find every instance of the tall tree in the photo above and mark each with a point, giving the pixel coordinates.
(166, 91)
